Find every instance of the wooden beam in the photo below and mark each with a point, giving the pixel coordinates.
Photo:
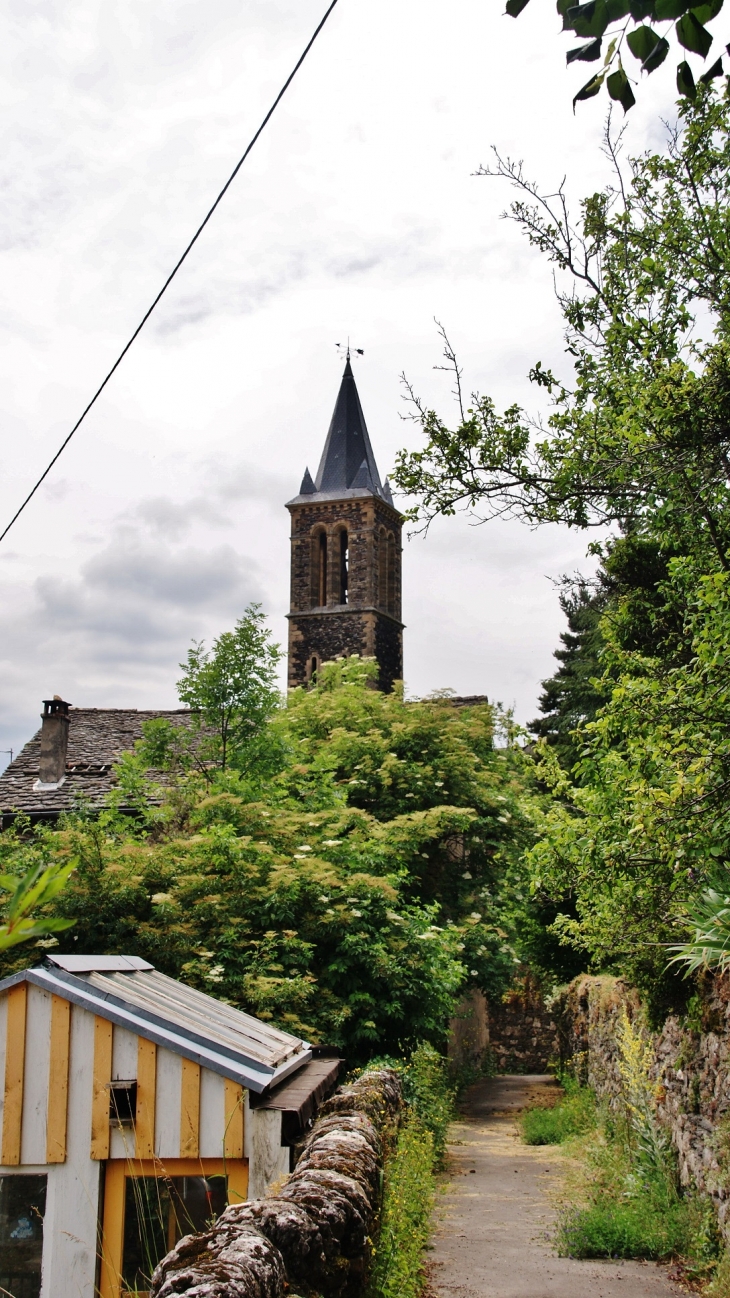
(100, 1089)
(190, 1110)
(233, 1129)
(112, 1240)
(146, 1081)
(58, 1080)
(14, 1075)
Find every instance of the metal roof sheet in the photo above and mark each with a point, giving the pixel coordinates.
(183, 1020)
(81, 964)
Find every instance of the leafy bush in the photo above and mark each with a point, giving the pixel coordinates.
(406, 1214)
(430, 1092)
(574, 1115)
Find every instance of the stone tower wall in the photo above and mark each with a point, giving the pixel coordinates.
(369, 623)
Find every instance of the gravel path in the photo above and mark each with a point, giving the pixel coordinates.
(492, 1228)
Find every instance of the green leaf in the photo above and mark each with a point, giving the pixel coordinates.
(714, 71)
(706, 12)
(657, 56)
(693, 36)
(616, 9)
(562, 7)
(642, 42)
(515, 7)
(686, 82)
(671, 9)
(590, 89)
(585, 53)
(640, 9)
(588, 19)
(619, 89)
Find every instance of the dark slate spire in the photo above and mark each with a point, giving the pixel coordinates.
(348, 460)
(307, 488)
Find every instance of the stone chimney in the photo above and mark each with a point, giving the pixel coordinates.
(54, 740)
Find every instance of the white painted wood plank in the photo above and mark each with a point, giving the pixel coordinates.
(212, 1105)
(72, 1204)
(269, 1159)
(35, 1087)
(167, 1104)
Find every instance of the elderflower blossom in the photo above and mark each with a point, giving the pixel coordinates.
(331, 842)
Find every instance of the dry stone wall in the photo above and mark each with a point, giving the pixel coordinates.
(691, 1070)
(313, 1235)
(518, 1034)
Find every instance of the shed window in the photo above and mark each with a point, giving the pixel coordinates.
(22, 1208)
(158, 1211)
(149, 1205)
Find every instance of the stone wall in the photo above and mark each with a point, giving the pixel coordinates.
(523, 1032)
(313, 1235)
(518, 1034)
(691, 1070)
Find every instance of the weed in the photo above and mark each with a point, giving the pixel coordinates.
(643, 1227)
(430, 1093)
(397, 1270)
(573, 1115)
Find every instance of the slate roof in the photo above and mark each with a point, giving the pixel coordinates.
(130, 992)
(348, 465)
(96, 738)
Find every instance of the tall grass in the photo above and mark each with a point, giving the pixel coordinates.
(406, 1215)
(430, 1093)
(409, 1183)
(573, 1115)
(626, 1201)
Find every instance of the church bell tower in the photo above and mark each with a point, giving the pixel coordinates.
(345, 555)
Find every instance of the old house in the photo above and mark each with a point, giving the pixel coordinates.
(345, 555)
(132, 1109)
(71, 759)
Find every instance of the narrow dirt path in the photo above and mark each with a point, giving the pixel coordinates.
(493, 1225)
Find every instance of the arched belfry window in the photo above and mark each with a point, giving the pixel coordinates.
(319, 568)
(382, 569)
(344, 557)
(390, 602)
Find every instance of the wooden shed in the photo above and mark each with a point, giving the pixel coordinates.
(129, 1118)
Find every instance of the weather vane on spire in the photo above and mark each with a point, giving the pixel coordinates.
(360, 351)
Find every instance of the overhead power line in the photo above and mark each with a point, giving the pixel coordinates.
(175, 268)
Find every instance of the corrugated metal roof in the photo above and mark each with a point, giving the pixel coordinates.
(181, 1019)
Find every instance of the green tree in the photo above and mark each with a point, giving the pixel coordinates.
(638, 434)
(638, 36)
(232, 689)
(349, 894)
(571, 696)
(638, 439)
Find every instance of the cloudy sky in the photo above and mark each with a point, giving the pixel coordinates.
(358, 214)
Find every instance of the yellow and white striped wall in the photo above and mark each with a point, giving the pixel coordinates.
(56, 1062)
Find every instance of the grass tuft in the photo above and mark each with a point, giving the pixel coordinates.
(573, 1115)
(644, 1227)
